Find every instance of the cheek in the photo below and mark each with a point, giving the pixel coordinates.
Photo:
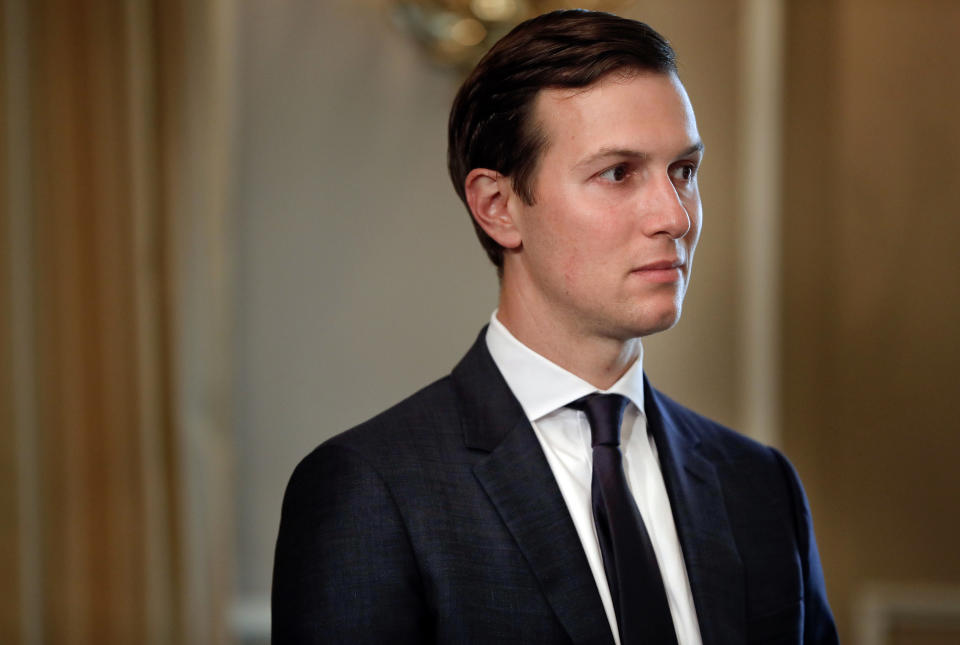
(564, 244)
(555, 256)
(589, 264)
(579, 239)
(572, 268)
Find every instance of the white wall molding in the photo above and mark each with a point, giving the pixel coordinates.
(881, 606)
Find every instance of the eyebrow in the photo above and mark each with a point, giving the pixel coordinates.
(603, 153)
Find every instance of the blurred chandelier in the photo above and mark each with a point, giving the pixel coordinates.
(457, 33)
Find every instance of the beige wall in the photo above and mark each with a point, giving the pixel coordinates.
(872, 312)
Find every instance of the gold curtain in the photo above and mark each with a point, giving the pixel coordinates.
(114, 295)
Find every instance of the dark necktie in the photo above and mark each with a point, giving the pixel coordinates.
(633, 574)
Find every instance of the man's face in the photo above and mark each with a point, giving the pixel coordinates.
(606, 250)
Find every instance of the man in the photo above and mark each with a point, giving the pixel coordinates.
(543, 492)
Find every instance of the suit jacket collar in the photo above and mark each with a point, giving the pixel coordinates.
(520, 484)
(489, 411)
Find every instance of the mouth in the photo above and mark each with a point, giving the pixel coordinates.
(667, 270)
(660, 265)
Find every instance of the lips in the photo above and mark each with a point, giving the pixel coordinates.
(666, 271)
(661, 265)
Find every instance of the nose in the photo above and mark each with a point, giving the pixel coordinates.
(666, 213)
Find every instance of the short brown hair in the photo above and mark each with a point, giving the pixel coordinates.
(490, 122)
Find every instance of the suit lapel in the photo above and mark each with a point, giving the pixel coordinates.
(518, 480)
(521, 486)
(710, 554)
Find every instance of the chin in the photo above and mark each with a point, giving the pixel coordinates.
(654, 322)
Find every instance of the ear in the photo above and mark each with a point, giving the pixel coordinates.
(489, 195)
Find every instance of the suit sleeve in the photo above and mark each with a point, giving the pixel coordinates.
(344, 569)
(819, 627)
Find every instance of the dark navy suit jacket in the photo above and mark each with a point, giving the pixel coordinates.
(440, 521)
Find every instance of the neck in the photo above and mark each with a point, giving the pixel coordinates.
(597, 359)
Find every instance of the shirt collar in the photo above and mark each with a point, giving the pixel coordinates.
(540, 385)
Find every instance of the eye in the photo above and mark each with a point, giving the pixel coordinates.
(615, 174)
(686, 172)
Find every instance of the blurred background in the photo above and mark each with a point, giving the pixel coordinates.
(227, 233)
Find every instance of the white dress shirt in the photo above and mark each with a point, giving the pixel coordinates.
(543, 389)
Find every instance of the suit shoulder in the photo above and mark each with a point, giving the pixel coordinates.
(715, 437)
(423, 419)
(738, 457)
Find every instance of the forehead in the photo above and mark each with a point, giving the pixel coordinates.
(646, 111)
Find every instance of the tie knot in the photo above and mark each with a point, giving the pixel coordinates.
(604, 412)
